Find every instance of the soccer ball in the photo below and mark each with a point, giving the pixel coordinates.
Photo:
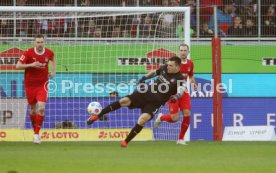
(94, 108)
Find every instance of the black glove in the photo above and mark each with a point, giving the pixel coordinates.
(174, 98)
(142, 80)
(141, 83)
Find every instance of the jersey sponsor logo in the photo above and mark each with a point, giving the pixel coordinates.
(9, 58)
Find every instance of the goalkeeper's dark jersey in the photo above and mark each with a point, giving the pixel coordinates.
(165, 85)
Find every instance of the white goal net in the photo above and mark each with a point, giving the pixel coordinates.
(100, 53)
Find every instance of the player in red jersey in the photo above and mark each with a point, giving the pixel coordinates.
(183, 103)
(35, 63)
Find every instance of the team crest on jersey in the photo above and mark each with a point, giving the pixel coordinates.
(34, 59)
(189, 69)
(46, 59)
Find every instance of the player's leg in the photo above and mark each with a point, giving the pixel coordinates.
(143, 119)
(172, 117)
(123, 102)
(39, 116)
(186, 111)
(148, 112)
(33, 115)
(31, 98)
(41, 97)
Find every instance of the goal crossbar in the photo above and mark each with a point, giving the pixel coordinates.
(92, 9)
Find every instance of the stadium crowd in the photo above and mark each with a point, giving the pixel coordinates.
(236, 18)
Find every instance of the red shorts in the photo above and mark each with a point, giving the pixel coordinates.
(183, 103)
(36, 94)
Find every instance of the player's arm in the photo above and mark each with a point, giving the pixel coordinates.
(52, 68)
(193, 82)
(150, 74)
(180, 92)
(21, 66)
(192, 78)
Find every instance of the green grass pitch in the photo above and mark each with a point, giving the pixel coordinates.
(139, 157)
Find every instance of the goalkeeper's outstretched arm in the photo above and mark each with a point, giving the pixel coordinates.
(149, 75)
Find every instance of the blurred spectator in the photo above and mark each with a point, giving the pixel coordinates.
(224, 18)
(269, 22)
(21, 25)
(165, 3)
(251, 10)
(4, 28)
(180, 27)
(206, 9)
(125, 34)
(192, 4)
(174, 3)
(206, 31)
(44, 25)
(6, 3)
(250, 28)
(85, 3)
(126, 22)
(110, 24)
(91, 27)
(146, 3)
(246, 10)
(98, 32)
(168, 23)
(116, 32)
(21, 2)
(237, 29)
(147, 28)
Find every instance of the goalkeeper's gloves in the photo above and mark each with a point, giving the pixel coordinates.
(174, 98)
(141, 83)
(142, 80)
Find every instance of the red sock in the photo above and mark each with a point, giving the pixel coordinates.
(39, 121)
(166, 117)
(33, 120)
(184, 127)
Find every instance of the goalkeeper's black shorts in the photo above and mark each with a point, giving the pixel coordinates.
(145, 102)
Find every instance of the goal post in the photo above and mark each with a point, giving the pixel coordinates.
(216, 74)
(91, 50)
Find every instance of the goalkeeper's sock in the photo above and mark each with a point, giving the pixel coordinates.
(184, 127)
(134, 131)
(167, 118)
(33, 120)
(112, 107)
(39, 121)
